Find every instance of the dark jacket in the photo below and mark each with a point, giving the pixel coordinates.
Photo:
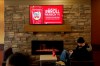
(81, 54)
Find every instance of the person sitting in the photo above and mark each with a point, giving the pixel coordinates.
(81, 53)
(64, 58)
(18, 59)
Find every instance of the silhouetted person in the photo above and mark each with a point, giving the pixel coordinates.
(81, 53)
(7, 53)
(18, 59)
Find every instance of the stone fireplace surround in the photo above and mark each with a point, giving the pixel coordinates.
(76, 13)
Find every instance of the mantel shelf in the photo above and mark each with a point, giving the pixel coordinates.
(47, 28)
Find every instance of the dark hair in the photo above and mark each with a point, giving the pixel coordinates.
(80, 40)
(7, 53)
(18, 59)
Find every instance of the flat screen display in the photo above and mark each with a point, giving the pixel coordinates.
(46, 14)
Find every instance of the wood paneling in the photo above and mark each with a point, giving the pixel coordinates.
(46, 2)
(1, 57)
(96, 54)
(95, 22)
(96, 58)
(96, 47)
(47, 28)
(1, 21)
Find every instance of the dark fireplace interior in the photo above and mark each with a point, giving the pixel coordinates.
(46, 47)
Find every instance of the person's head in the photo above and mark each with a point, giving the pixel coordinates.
(7, 53)
(18, 59)
(81, 41)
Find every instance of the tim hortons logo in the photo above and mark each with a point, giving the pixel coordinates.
(36, 15)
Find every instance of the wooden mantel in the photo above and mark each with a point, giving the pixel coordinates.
(47, 28)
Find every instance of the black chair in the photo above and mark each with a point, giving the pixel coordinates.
(81, 63)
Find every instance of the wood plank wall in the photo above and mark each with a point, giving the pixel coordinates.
(1, 21)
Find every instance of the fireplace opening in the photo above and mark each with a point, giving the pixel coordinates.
(46, 47)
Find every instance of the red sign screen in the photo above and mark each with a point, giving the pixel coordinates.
(46, 14)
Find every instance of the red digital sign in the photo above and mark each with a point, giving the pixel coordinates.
(45, 14)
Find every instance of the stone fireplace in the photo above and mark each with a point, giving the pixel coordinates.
(77, 14)
(46, 47)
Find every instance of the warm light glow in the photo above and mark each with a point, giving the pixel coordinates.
(47, 50)
(1, 21)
